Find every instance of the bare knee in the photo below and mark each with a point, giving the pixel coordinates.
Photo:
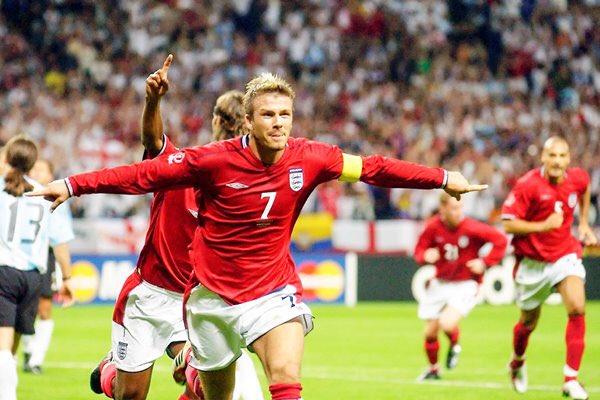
(284, 372)
(529, 318)
(129, 394)
(132, 385)
(577, 310)
(448, 326)
(431, 330)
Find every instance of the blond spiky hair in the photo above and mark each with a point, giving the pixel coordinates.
(264, 83)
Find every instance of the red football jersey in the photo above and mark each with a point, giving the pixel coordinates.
(165, 260)
(459, 245)
(248, 209)
(534, 198)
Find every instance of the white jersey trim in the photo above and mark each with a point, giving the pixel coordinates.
(164, 146)
(445, 181)
(69, 187)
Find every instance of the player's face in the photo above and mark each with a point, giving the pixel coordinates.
(41, 172)
(556, 158)
(271, 122)
(452, 212)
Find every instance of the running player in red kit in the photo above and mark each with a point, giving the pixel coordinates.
(155, 289)
(246, 291)
(452, 242)
(539, 213)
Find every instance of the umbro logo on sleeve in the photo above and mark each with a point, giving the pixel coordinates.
(236, 185)
(176, 158)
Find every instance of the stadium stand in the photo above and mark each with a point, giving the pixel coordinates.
(474, 85)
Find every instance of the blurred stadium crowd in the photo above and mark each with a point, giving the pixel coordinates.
(467, 84)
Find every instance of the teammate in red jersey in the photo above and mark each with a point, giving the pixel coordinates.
(539, 211)
(155, 289)
(452, 242)
(245, 291)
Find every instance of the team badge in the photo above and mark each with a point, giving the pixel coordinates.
(296, 179)
(572, 200)
(463, 242)
(122, 350)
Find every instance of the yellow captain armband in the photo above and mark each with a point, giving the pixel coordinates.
(352, 168)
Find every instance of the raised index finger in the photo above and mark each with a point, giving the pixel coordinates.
(167, 63)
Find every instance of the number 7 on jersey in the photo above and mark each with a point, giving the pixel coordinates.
(271, 197)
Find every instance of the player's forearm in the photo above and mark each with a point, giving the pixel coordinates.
(63, 257)
(499, 243)
(495, 255)
(388, 172)
(419, 257)
(152, 127)
(584, 207)
(523, 227)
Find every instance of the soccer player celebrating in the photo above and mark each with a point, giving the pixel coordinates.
(26, 231)
(155, 289)
(245, 291)
(539, 212)
(452, 243)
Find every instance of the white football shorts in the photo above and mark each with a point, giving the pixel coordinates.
(460, 295)
(536, 280)
(152, 320)
(218, 331)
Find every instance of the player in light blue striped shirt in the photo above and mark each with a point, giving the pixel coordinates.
(26, 231)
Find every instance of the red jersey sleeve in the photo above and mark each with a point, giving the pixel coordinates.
(486, 233)
(387, 172)
(326, 158)
(169, 171)
(425, 241)
(581, 178)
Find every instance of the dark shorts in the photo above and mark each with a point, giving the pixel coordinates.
(48, 278)
(19, 297)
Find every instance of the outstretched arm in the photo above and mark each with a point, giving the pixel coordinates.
(169, 171)
(457, 184)
(56, 192)
(388, 172)
(157, 84)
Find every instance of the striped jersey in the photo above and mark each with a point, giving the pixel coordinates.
(27, 228)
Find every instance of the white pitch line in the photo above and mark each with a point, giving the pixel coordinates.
(465, 384)
(342, 375)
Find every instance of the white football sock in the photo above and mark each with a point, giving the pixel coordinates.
(8, 376)
(39, 347)
(27, 342)
(247, 386)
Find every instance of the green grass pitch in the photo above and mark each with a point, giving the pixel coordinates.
(373, 351)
